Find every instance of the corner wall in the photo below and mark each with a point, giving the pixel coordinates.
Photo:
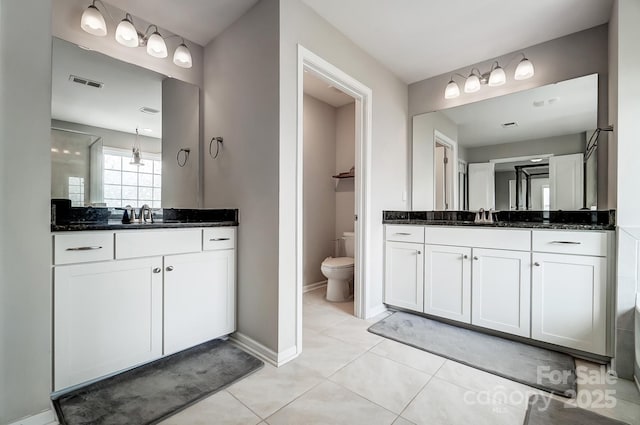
(25, 239)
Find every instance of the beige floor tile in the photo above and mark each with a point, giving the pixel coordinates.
(331, 404)
(444, 403)
(325, 354)
(402, 421)
(498, 388)
(220, 409)
(594, 378)
(319, 317)
(383, 381)
(271, 388)
(417, 359)
(354, 331)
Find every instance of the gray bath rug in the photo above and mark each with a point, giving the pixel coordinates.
(529, 365)
(547, 411)
(150, 393)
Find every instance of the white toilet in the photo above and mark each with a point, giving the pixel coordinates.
(339, 272)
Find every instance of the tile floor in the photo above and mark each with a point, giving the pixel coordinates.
(347, 375)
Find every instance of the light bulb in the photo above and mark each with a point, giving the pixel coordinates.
(93, 22)
(472, 84)
(497, 77)
(524, 70)
(156, 46)
(452, 90)
(182, 57)
(126, 33)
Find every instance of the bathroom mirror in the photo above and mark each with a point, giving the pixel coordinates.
(467, 157)
(102, 109)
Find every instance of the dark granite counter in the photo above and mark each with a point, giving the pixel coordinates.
(65, 218)
(558, 220)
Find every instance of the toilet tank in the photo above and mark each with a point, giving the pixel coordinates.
(349, 244)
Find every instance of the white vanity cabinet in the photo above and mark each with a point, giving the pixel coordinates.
(134, 296)
(404, 267)
(569, 294)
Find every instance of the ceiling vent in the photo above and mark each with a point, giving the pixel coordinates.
(148, 110)
(86, 81)
(509, 124)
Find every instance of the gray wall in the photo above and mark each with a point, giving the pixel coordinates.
(112, 138)
(180, 130)
(558, 145)
(502, 189)
(345, 159)
(389, 154)
(319, 199)
(572, 56)
(241, 103)
(25, 240)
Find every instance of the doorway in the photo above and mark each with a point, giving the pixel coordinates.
(445, 173)
(312, 64)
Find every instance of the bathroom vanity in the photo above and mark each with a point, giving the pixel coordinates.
(127, 294)
(546, 281)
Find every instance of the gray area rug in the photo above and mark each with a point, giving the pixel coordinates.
(150, 393)
(547, 411)
(499, 356)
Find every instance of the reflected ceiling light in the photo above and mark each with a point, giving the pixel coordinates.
(54, 150)
(494, 77)
(93, 22)
(534, 160)
(126, 34)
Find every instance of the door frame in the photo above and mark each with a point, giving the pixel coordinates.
(312, 63)
(440, 138)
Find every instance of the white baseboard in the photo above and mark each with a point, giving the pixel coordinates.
(287, 355)
(314, 286)
(254, 347)
(44, 418)
(637, 381)
(374, 311)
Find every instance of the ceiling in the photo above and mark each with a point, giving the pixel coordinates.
(117, 104)
(196, 20)
(568, 107)
(323, 91)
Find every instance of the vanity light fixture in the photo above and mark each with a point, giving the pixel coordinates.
(494, 77)
(93, 22)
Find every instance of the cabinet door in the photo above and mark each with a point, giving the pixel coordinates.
(447, 282)
(404, 275)
(107, 317)
(199, 298)
(502, 290)
(569, 301)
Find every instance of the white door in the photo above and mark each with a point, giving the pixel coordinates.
(447, 282)
(107, 317)
(566, 181)
(404, 275)
(569, 301)
(482, 186)
(199, 298)
(501, 290)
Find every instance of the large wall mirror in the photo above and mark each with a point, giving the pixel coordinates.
(522, 151)
(102, 110)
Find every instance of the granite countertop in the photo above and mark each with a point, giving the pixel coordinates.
(557, 220)
(65, 218)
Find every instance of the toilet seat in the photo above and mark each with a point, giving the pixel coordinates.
(338, 262)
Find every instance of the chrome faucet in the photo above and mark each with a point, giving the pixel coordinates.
(146, 215)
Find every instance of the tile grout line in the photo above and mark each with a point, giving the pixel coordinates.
(249, 408)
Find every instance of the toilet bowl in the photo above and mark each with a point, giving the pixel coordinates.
(339, 272)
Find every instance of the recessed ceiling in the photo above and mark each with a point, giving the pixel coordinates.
(115, 106)
(196, 20)
(323, 91)
(419, 39)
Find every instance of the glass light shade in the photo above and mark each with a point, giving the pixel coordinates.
(472, 84)
(135, 159)
(452, 90)
(93, 22)
(497, 77)
(126, 34)
(182, 57)
(524, 70)
(156, 46)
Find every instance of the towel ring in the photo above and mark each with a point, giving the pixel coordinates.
(219, 142)
(186, 157)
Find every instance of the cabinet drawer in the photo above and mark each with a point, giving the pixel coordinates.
(413, 234)
(510, 239)
(82, 247)
(148, 243)
(218, 238)
(567, 242)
